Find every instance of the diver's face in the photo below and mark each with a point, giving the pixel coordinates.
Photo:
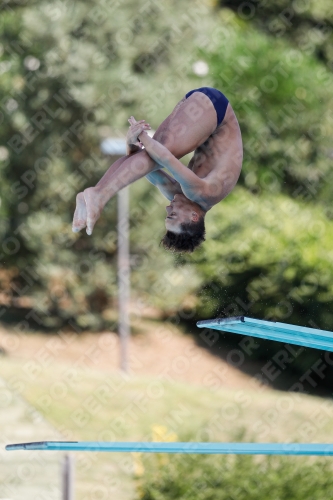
(179, 211)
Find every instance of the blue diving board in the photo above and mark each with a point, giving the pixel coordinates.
(319, 449)
(272, 330)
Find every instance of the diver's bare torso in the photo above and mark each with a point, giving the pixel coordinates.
(219, 160)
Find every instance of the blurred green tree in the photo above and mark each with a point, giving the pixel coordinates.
(72, 74)
(307, 25)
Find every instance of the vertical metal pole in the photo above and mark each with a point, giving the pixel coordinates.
(123, 276)
(68, 478)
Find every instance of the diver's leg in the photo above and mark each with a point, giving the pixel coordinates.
(190, 124)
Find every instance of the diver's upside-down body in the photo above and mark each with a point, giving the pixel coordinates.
(203, 122)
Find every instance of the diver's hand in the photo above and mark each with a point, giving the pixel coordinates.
(136, 128)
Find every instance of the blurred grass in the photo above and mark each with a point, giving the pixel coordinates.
(24, 474)
(86, 404)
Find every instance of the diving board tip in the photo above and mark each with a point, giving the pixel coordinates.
(272, 330)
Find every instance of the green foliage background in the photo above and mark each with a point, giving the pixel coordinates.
(72, 73)
(242, 477)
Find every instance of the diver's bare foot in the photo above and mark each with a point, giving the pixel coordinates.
(94, 207)
(80, 214)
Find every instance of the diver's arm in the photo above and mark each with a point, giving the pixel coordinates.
(192, 186)
(166, 184)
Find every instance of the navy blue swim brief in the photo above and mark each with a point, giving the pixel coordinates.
(219, 100)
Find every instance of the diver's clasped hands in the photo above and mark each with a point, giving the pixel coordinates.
(136, 128)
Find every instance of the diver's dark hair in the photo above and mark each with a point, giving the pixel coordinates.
(191, 236)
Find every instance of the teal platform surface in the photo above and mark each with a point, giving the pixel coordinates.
(202, 448)
(271, 330)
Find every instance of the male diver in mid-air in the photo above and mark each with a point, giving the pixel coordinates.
(203, 122)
